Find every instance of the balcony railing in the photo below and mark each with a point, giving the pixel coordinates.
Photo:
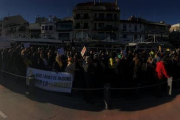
(106, 19)
(107, 29)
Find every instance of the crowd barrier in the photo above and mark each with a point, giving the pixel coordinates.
(107, 87)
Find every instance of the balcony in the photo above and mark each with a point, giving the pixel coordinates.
(106, 19)
(106, 29)
(77, 18)
(22, 29)
(82, 18)
(77, 27)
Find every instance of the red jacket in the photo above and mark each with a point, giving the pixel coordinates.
(161, 71)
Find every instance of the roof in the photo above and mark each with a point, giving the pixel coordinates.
(34, 26)
(157, 23)
(129, 21)
(14, 20)
(97, 4)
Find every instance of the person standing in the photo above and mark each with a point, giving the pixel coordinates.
(89, 73)
(161, 75)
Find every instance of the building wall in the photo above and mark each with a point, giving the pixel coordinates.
(131, 31)
(48, 30)
(175, 28)
(96, 22)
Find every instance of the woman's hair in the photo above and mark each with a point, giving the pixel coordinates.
(58, 58)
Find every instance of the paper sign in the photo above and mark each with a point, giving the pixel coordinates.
(83, 51)
(61, 51)
(26, 45)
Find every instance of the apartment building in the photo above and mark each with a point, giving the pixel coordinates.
(64, 29)
(132, 30)
(96, 20)
(14, 27)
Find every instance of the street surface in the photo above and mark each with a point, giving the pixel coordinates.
(17, 104)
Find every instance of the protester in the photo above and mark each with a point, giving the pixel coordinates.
(121, 69)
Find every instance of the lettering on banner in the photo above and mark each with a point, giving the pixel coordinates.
(61, 82)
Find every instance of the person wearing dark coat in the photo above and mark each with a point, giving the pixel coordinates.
(89, 74)
(57, 65)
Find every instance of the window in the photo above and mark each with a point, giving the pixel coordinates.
(124, 27)
(135, 36)
(101, 15)
(135, 28)
(101, 25)
(95, 25)
(50, 27)
(109, 16)
(77, 25)
(101, 35)
(124, 36)
(115, 17)
(86, 26)
(64, 36)
(42, 27)
(86, 16)
(46, 27)
(129, 25)
(140, 26)
(78, 16)
(109, 27)
(95, 15)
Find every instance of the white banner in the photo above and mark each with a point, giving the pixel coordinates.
(52, 81)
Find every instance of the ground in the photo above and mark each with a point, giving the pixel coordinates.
(17, 104)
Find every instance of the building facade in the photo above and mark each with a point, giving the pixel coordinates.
(132, 30)
(96, 20)
(34, 30)
(174, 36)
(48, 29)
(64, 29)
(14, 27)
(175, 28)
(159, 30)
(140, 30)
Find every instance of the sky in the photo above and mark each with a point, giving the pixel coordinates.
(152, 10)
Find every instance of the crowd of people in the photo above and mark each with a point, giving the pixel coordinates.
(96, 67)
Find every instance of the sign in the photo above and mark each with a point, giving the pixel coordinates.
(83, 51)
(51, 81)
(159, 48)
(26, 45)
(61, 51)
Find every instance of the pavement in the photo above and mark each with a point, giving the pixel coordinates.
(17, 104)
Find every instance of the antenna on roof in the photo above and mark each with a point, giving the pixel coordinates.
(116, 2)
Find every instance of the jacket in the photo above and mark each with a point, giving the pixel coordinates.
(161, 71)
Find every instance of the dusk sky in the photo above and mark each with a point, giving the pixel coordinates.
(153, 10)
